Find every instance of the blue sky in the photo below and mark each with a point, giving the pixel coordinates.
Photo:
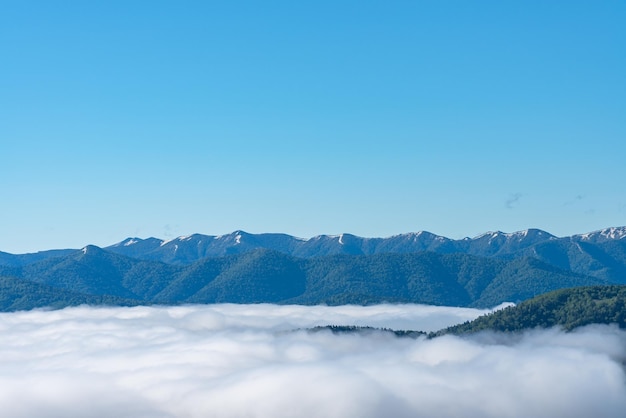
(154, 118)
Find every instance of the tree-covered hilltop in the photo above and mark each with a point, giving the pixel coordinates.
(566, 308)
(363, 330)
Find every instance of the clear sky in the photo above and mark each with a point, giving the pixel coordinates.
(162, 118)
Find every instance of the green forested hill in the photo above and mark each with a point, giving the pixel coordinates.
(270, 276)
(20, 294)
(566, 308)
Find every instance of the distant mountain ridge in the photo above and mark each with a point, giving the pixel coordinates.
(604, 250)
(191, 248)
(600, 254)
(188, 249)
(485, 271)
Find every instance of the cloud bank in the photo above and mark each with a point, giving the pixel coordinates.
(244, 361)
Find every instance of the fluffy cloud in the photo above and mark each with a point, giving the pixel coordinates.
(247, 361)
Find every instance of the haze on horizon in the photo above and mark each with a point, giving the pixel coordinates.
(158, 119)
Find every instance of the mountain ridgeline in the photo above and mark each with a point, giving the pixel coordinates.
(277, 268)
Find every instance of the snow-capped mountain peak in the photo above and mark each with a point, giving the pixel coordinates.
(128, 242)
(488, 235)
(613, 233)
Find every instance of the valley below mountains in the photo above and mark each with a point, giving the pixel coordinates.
(419, 267)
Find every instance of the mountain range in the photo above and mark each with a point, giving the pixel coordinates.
(278, 268)
(191, 248)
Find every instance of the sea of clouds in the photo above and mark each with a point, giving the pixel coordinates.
(258, 361)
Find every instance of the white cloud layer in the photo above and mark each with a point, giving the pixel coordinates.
(243, 361)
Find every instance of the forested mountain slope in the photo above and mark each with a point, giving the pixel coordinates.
(565, 308)
(271, 276)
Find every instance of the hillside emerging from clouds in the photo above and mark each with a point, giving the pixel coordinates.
(345, 269)
(564, 308)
